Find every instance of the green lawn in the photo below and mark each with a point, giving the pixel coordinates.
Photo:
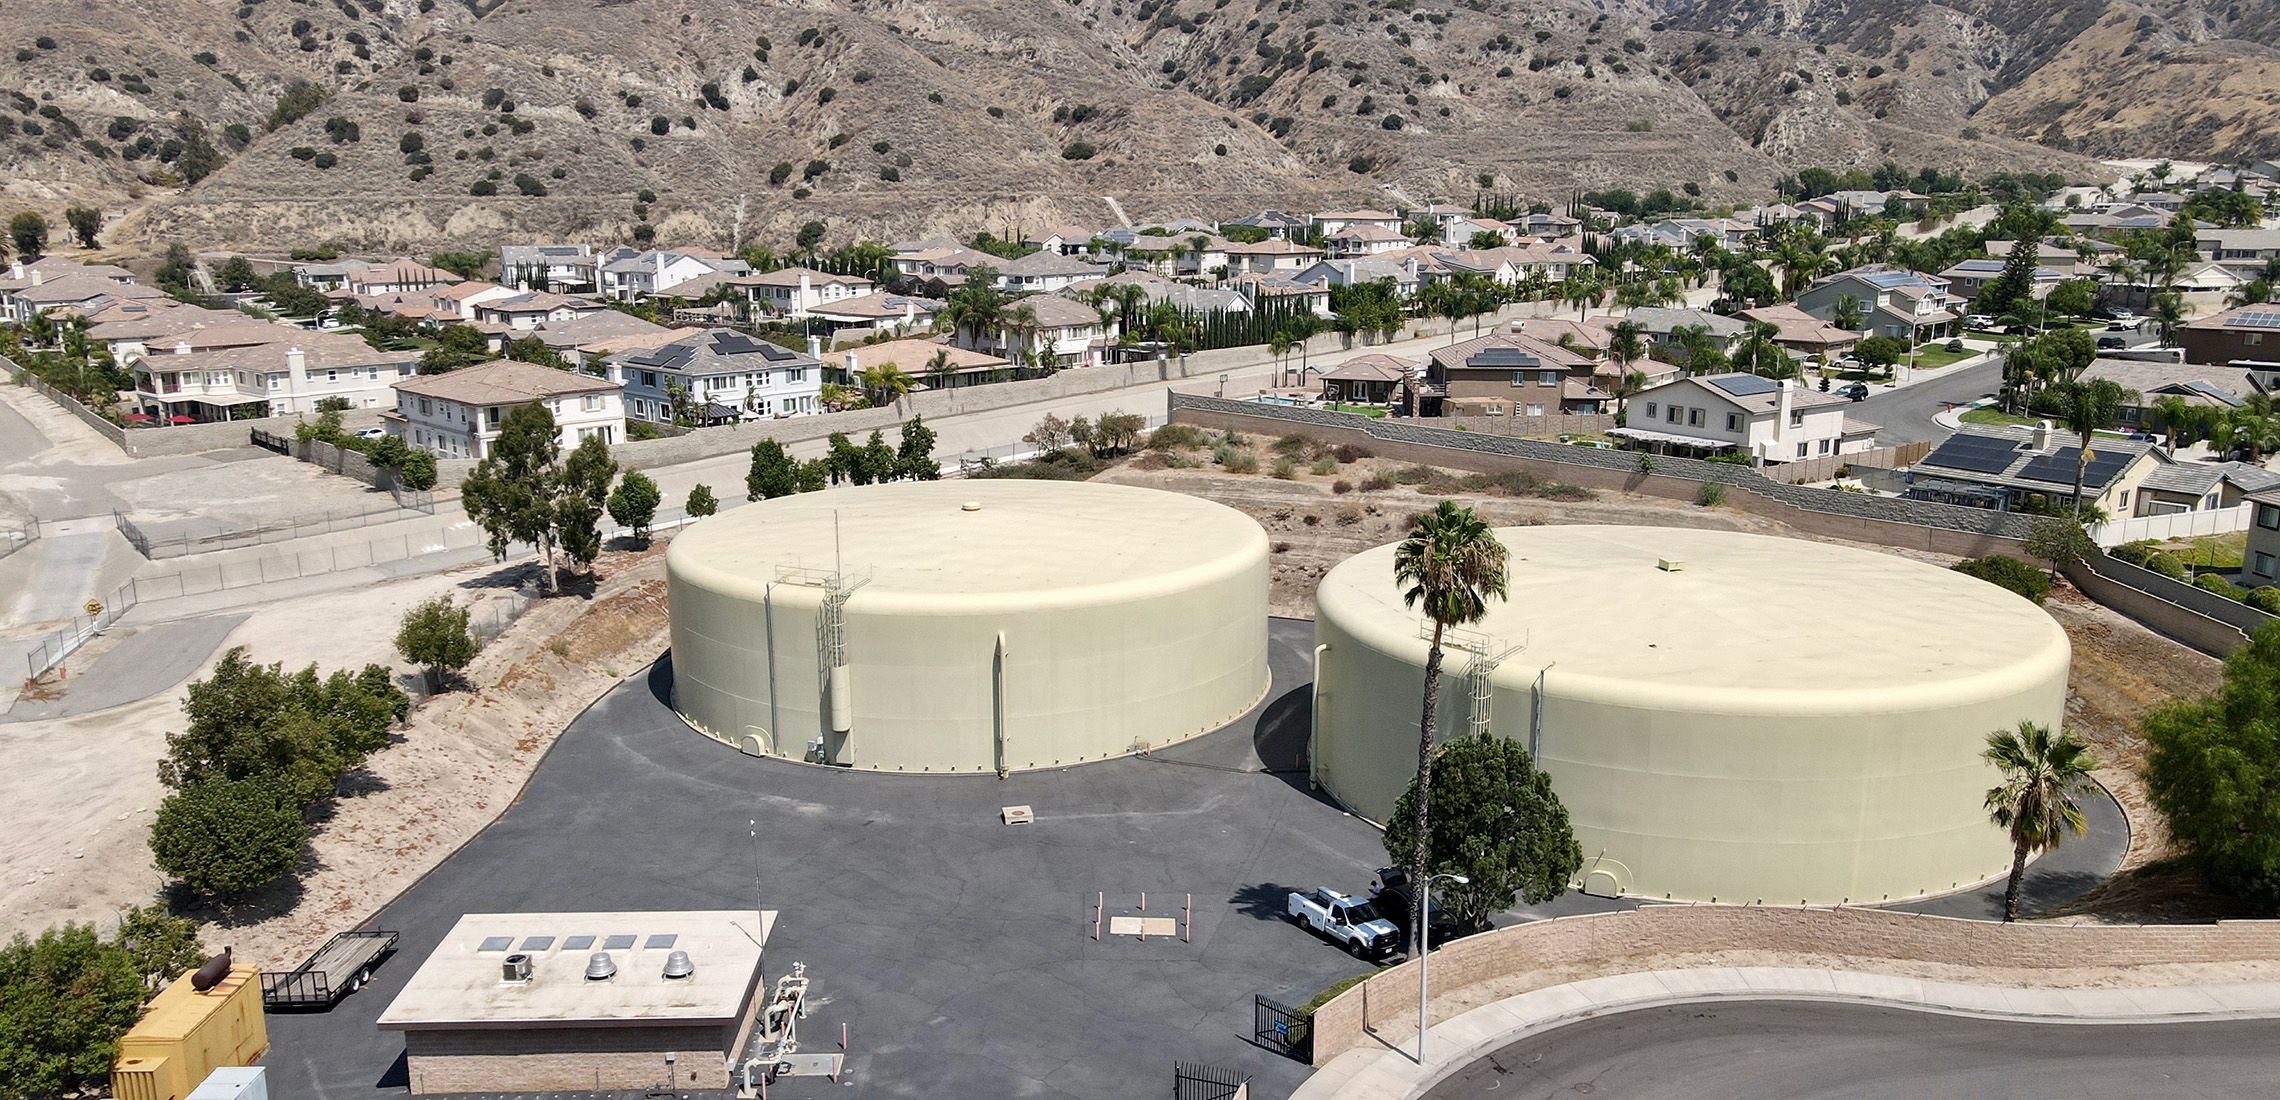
(1937, 355)
(2221, 553)
(1991, 415)
(1359, 410)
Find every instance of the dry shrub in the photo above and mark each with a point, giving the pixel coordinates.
(1349, 515)
(1376, 483)
(1341, 486)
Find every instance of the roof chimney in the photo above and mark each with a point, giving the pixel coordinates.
(2042, 435)
(815, 347)
(853, 365)
(182, 347)
(38, 277)
(16, 270)
(1783, 403)
(294, 360)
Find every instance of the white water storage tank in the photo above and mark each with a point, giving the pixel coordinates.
(986, 624)
(1725, 716)
(233, 1083)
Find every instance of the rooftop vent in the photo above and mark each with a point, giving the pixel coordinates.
(971, 506)
(515, 968)
(1670, 565)
(600, 967)
(677, 965)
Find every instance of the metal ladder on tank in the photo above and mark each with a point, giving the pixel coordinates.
(1486, 652)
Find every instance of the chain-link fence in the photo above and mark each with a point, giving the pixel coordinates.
(93, 620)
(159, 544)
(16, 536)
(1011, 452)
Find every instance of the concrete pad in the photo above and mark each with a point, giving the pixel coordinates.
(151, 660)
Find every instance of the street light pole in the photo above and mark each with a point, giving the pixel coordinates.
(1424, 953)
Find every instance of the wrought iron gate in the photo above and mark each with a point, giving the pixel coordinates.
(1194, 1081)
(1278, 1026)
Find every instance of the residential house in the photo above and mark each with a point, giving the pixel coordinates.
(1061, 240)
(1045, 273)
(625, 278)
(1261, 288)
(1364, 239)
(715, 375)
(525, 312)
(1177, 227)
(877, 312)
(2246, 334)
(1967, 277)
(50, 286)
(799, 291)
(1277, 224)
(1460, 232)
(571, 338)
(947, 263)
(1771, 421)
(1547, 225)
(128, 329)
(1333, 222)
(1802, 333)
(461, 299)
(2208, 385)
(1588, 337)
(1197, 256)
(1403, 274)
(2000, 467)
(2260, 562)
(208, 374)
(1371, 379)
(1063, 334)
(1159, 291)
(1896, 302)
(2200, 287)
(1508, 375)
(2200, 487)
(459, 414)
(1659, 327)
(559, 268)
(934, 364)
(1269, 257)
(398, 276)
(1444, 213)
(2244, 250)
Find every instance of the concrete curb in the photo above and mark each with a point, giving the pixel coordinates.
(1381, 1073)
(1952, 419)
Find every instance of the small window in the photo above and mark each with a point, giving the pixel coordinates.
(1519, 378)
(1733, 422)
(796, 374)
(1824, 446)
(1650, 410)
(1547, 378)
(592, 402)
(2264, 565)
(1796, 419)
(424, 410)
(1671, 414)
(1535, 410)
(1804, 450)
(1694, 418)
(2268, 516)
(2252, 339)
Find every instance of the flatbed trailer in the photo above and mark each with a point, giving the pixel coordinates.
(344, 963)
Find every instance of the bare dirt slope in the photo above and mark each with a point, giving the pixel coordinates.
(938, 115)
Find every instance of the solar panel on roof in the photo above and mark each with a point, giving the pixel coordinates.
(1502, 357)
(537, 943)
(1744, 385)
(617, 943)
(1980, 454)
(496, 943)
(578, 943)
(2058, 467)
(662, 939)
(2257, 319)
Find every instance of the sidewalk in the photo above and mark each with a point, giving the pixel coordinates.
(1390, 1072)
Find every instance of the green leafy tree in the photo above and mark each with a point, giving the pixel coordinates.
(876, 460)
(914, 460)
(2005, 571)
(815, 473)
(2213, 770)
(160, 946)
(434, 634)
(2043, 776)
(773, 473)
(65, 998)
(224, 837)
(1495, 821)
(633, 504)
(2059, 540)
(1880, 352)
(2014, 288)
(586, 479)
(235, 273)
(1452, 565)
(28, 231)
(701, 502)
(843, 459)
(512, 493)
(2074, 297)
(86, 224)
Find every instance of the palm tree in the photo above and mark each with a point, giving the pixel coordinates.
(1020, 328)
(1847, 315)
(1279, 345)
(1452, 564)
(941, 373)
(2085, 407)
(884, 384)
(2175, 413)
(2042, 775)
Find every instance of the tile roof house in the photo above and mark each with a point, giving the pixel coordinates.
(1364, 239)
(948, 262)
(1374, 379)
(524, 312)
(1771, 421)
(1356, 271)
(1269, 257)
(742, 375)
(1801, 332)
(1508, 375)
(1997, 467)
(1660, 326)
(205, 373)
(797, 291)
(1967, 277)
(1335, 221)
(570, 336)
(918, 358)
(2260, 561)
(1045, 272)
(1276, 223)
(397, 276)
(48, 286)
(627, 277)
(459, 414)
(555, 267)
(2201, 487)
(879, 312)
(2245, 334)
(1892, 301)
(2208, 385)
(1064, 240)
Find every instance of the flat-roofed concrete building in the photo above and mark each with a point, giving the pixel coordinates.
(524, 1002)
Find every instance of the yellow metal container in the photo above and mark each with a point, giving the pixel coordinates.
(184, 1035)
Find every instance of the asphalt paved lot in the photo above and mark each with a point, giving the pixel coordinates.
(1806, 1050)
(958, 949)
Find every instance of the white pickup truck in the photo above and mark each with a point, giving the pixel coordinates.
(1349, 920)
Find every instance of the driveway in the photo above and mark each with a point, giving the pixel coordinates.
(1749, 1050)
(958, 950)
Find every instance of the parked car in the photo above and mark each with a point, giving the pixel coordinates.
(1852, 391)
(2111, 342)
(1979, 321)
(370, 433)
(2125, 315)
(1349, 920)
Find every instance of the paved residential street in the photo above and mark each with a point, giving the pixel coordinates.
(1906, 413)
(1802, 1051)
